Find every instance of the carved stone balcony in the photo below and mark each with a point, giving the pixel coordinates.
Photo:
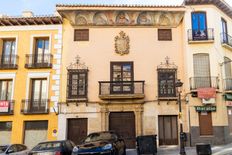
(121, 89)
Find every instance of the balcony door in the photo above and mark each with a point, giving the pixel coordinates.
(122, 77)
(41, 51)
(201, 64)
(38, 94)
(224, 31)
(8, 52)
(199, 26)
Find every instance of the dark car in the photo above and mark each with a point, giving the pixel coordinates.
(62, 147)
(106, 142)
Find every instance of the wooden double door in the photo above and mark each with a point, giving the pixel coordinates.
(123, 123)
(77, 129)
(168, 130)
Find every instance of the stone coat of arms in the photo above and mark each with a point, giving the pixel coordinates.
(122, 43)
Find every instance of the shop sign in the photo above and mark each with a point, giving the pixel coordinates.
(4, 106)
(206, 93)
(205, 108)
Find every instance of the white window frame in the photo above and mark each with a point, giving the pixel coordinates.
(9, 76)
(32, 75)
(32, 41)
(13, 37)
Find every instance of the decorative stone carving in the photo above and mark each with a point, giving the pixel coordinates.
(167, 64)
(77, 64)
(100, 19)
(81, 20)
(122, 44)
(144, 18)
(124, 18)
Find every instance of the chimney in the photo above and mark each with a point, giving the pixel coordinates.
(27, 14)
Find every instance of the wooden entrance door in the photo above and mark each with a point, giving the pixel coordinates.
(168, 130)
(124, 124)
(77, 129)
(205, 123)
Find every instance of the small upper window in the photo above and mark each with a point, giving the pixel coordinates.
(164, 34)
(81, 35)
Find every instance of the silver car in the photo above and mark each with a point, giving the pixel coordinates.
(13, 149)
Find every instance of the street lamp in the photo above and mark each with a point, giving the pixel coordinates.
(179, 84)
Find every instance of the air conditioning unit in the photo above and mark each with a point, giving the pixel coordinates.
(208, 101)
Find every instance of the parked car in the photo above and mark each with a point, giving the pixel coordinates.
(62, 147)
(14, 149)
(106, 142)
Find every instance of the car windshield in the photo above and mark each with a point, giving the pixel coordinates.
(3, 148)
(47, 146)
(100, 136)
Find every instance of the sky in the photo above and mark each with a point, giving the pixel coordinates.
(47, 7)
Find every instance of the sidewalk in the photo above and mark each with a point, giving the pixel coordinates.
(174, 150)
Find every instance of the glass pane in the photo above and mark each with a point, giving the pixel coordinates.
(46, 46)
(117, 76)
(81, 87)
(9, 90)
(36, 90)
(44, 89)
(39, 46)
(117, 68)
(7, 47)
(3, 90)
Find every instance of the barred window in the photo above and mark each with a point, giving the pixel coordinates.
(81, 35)
(166, 83)
(77, 83)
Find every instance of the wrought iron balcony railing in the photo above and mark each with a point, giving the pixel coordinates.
(7, 107)
(226, 39)
(9, 61)
(200, 35)
(30, 106)
(132, 89)
(39, 61)
(228, 84)
(204, 82)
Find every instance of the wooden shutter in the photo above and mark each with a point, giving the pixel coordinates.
(164, 34)
(205, 123)
(81, 35)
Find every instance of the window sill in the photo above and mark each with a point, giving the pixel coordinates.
(206, 136)
(200, 41)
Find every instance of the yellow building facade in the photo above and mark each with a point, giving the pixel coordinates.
(30, 50)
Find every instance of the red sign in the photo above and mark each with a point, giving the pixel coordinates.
(206, 93)
(4, 105)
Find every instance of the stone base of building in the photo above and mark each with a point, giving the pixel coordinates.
(221, 136)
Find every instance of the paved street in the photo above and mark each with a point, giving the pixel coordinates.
(174, 150)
